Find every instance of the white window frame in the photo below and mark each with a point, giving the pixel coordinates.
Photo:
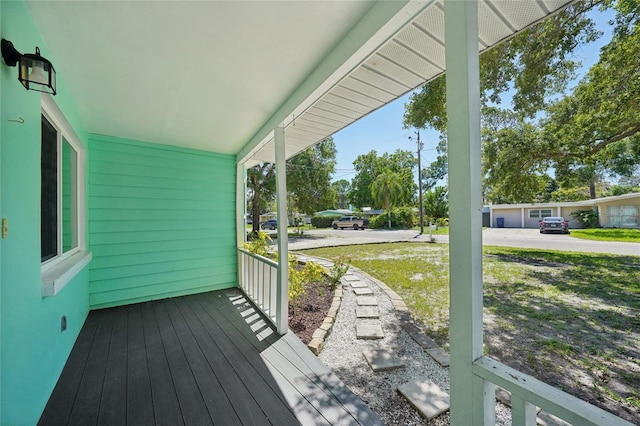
(539, 214)
(59, 270)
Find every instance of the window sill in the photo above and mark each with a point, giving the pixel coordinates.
(57, 276)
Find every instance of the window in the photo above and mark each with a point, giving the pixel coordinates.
(62, 236)
(539, 213)
(623, 216)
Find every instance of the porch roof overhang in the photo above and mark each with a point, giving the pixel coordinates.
(220, 76)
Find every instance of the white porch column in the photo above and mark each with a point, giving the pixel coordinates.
(521, 217)
(241, 204)
(465, 198)
(282, 297)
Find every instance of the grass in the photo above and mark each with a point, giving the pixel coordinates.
(608, 234)
(569, 319)
(441, 230)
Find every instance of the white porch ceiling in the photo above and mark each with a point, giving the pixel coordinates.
(219, 76)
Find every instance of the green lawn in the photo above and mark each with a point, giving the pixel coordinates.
(569, 319)
(442, 230)
(605, 234)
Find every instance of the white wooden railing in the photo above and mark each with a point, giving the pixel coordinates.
(527, 393)
(258, 279)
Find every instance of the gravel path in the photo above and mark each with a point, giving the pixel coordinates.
(343, 353)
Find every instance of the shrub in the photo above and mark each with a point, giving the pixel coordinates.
(587, 218)
(401, 217)
(258, 243)
(338, 270)
(299, 277)
(442, 222)
(323, 221)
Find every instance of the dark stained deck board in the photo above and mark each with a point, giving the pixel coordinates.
(60, 404)
(248, 410)
(194, 410)
(311, 393)
(212, 391)
(303, 389)
(195, 360)
(90, 388)
(244, 361)
(113, 406)
(289, 353)
(290, 346)
(139, 401)
(165, 404)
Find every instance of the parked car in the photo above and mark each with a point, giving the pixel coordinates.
(554, 224)
(271, 224)
(354, 222)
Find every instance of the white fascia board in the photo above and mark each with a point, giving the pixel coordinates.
(592, 202)
(616, 197)
(378, 26)
(539, 205)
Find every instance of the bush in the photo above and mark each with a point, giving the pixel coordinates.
(338, 270)
(323, 221)
(401, 217)
(299, 277)
(587, 218)
(442, 222)
(258, 243)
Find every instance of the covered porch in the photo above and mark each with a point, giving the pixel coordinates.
(209, 358)
(166, 105)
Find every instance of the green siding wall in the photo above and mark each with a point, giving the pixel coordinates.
(161, 221)
(33, 347)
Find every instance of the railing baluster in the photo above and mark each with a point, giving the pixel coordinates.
(258, 279)
(523, 413)
(527, 393)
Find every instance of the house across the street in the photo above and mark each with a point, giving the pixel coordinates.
(613, 212)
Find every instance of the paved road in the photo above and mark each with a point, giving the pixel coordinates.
(524, 238)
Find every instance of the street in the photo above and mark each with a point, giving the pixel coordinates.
(509, 237)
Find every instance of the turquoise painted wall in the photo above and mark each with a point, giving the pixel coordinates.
(33, 349)
(161, 221)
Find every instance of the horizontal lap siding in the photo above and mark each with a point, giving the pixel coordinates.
(161, 221)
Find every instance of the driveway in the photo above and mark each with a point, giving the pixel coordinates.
(509, 237)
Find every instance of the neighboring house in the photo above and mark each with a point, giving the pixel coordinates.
(337, 212)
(619, 211)
(128, 185)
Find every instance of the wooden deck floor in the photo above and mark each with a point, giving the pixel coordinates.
(196, 360)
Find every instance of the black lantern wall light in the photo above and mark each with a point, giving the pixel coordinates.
(34, 71)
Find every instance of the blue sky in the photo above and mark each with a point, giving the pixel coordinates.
(382, 130)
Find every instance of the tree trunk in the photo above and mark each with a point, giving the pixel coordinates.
(592, 189)
(255, 211)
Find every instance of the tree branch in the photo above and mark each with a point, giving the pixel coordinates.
(615, 138)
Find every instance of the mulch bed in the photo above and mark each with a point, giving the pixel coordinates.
(311, 309)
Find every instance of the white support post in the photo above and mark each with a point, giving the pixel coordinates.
(465, 198)
(522, 217)
(241, 223)
(282, 295)
(241, 203)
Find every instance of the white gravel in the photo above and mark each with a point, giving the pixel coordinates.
(343, 353)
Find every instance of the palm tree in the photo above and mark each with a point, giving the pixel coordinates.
(386, 189)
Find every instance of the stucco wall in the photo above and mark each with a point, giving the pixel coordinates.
(566, 213)
(512, 218)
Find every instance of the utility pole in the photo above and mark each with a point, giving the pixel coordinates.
(420, 146)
